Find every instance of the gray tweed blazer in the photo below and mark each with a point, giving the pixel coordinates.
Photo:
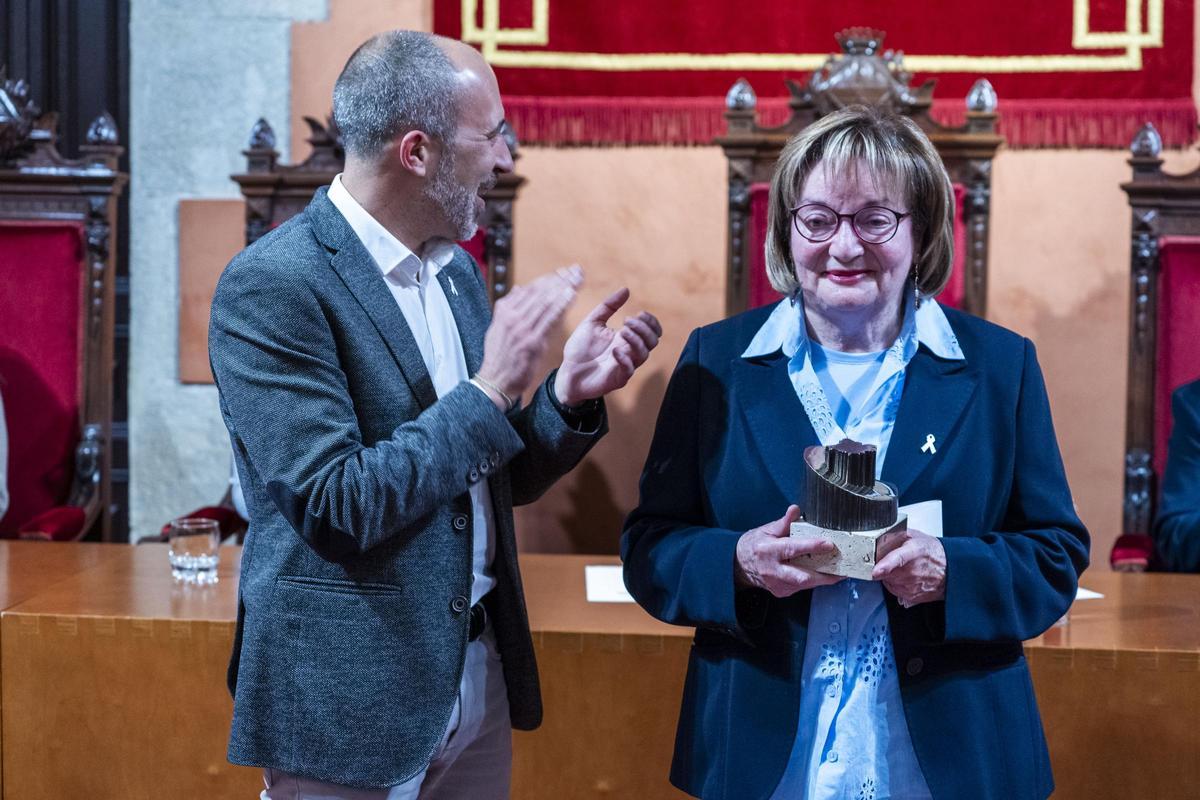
(351, 628)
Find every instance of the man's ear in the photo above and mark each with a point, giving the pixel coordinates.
(416, 152)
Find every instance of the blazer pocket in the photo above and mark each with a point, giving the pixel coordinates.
(339, 586)
(335, 600)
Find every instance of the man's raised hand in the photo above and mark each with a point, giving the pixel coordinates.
(598, 359)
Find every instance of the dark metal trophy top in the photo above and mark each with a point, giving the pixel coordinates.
(842, 494)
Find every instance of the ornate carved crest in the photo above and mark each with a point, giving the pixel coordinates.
(28, 137)
(861, 76)
(18, 116)
(326, 141)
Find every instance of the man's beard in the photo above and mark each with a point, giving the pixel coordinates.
(455, 201)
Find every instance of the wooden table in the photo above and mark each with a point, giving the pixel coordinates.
(113, 684)
(27, 568)
(113, 687)
(612, 676)
(1118, 687)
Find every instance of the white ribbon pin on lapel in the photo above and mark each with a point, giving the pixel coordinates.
(928, 446)
(453, 288)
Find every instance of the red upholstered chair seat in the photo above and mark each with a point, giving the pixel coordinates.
(40, 286)
(760, 292)
(59, 524)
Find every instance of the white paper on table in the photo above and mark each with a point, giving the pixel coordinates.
(604, 584)
(1086, 594)
(925, 517)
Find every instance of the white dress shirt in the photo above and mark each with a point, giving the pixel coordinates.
(413, 282)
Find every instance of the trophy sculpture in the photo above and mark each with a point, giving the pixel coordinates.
(846, 505)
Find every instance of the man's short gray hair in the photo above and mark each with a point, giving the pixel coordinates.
(395, 82)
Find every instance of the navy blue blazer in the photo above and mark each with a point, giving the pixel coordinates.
(726, 457)
(1177, 526)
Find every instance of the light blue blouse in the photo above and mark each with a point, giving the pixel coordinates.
(852, 740)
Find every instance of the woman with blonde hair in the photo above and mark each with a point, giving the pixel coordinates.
(912, 684)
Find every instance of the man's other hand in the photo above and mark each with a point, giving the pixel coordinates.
(598, 359)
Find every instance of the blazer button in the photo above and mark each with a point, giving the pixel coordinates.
(473, 475)
(459, 522)
(485, 466)
(914, 666)
(459, 604)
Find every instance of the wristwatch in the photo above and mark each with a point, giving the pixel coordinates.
(576, 414)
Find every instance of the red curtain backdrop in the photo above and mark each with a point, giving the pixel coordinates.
(1069, 72)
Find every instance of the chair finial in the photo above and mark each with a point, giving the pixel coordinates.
(262, 136)
(740, 96)
(1146, 142)
(982, 97)
(103, 130)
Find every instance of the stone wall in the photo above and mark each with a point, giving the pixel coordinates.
(201, 74)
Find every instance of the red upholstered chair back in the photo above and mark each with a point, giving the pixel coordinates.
(41, 279)
(752, 149)
(276, 192)
(759, 291)
(57, 273)
(955, 293)
(477, 247)
(1178, 359)
(1164, 325)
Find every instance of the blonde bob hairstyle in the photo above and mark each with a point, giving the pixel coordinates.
(895, 153)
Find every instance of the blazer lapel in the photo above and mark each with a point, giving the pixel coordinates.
(358, 271)
(777, 421)
(936, 392)
(469, 306)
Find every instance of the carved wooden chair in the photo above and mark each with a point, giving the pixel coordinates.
(276, 192)
(859, 76)
(57, 252)
(1164, 331)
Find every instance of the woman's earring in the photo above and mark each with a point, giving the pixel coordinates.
(916, 286)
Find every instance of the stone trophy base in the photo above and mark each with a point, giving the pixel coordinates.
(855, 553)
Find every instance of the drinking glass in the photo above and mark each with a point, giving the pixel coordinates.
(192, 550)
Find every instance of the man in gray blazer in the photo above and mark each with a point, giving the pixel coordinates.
(384, 424)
